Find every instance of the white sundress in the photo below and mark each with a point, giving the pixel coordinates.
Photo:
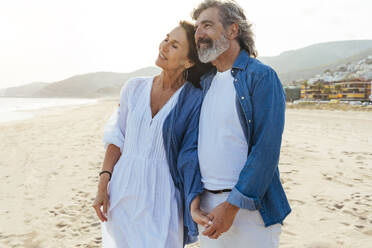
(145, 206)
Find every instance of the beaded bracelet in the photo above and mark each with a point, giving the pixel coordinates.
(105, 171)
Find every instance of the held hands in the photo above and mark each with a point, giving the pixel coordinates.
(223, 218)
(199, 216)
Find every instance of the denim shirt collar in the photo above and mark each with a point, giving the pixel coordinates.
(241, 63)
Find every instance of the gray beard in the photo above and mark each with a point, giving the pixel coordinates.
(209, 54)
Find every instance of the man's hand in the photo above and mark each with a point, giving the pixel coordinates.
(223, 217)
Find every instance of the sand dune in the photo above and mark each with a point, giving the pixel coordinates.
(49, 166)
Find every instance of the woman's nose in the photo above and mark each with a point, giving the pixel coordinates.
(164, 46)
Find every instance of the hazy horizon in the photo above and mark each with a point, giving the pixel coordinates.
(49, 41)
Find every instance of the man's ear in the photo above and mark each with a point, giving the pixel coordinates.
(233, 31)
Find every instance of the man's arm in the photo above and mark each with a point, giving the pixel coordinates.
(268, 102)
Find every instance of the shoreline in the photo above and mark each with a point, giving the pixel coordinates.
(25, 114)
(21, 115)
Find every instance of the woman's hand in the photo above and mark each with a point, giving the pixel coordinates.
(198, 215)
(102, 199)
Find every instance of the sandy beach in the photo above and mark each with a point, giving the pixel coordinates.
(49, 171)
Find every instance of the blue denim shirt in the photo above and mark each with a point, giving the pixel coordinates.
(260, 103)
(180, 137)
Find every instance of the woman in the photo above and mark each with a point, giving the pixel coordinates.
(152, 153)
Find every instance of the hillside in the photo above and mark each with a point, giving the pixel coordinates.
(24, 90)
(308, 61)
(91, 85)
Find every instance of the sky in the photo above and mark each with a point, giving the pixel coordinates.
(50, 40)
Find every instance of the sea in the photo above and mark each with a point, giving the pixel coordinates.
(14, 108)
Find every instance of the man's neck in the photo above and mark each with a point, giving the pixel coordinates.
(226, 60)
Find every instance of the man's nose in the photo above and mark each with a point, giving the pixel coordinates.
(198, 33)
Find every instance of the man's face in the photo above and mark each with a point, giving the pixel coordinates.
(210, 36)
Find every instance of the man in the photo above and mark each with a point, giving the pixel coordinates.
(240, 132)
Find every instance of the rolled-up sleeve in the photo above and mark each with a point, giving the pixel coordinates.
(114, 130)
(268, 102)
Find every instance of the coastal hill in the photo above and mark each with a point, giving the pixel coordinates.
(291, 66)
(308, 61)
(90, 85)
(23, 90)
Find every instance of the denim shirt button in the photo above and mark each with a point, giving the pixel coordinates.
(249, 121)
(242, 97)
(236, 80)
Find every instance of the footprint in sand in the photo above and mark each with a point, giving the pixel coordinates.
(62, 224)
(297, 201)
(339, 205)
(358, 179)
(95, 224)
(59, 236)
(285, 163)
(59, 206)
(285, 180)
(320, 244)
(289, 233)
(327, 177)
(360, 158)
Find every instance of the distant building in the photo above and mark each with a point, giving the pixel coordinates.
(352, 90)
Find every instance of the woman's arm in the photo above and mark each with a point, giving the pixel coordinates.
(114, 136)
(188, 169)
(111, 157)
(198, 215)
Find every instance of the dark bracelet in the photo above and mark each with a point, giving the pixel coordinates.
(105, 171)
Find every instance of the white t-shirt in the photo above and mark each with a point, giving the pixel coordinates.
(222, 146)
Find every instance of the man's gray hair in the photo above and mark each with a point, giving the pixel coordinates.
(230, 12)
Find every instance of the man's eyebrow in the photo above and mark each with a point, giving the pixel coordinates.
(206, 21)
(203, 22)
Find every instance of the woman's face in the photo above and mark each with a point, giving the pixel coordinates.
(173, 51)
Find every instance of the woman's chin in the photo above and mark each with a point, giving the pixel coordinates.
(159, 64)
